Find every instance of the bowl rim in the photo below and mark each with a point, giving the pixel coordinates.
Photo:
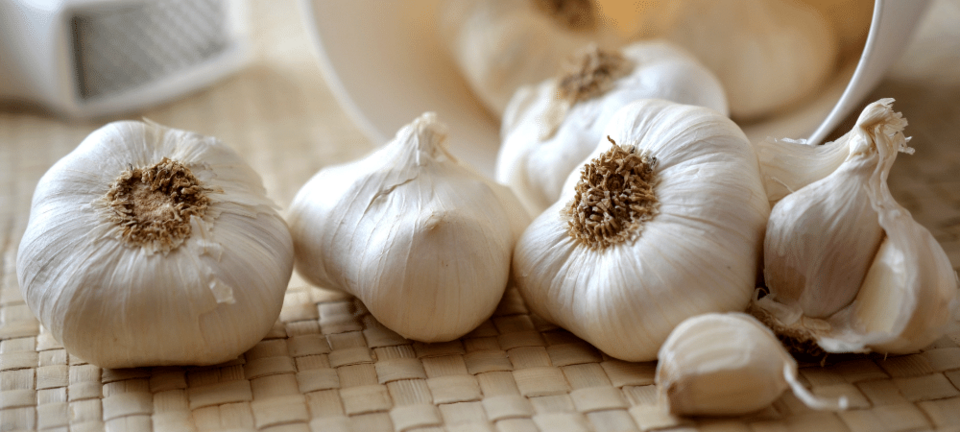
(892, 25)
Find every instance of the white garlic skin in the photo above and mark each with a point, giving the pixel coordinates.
(884, 284)
(769, 54)
(500, 45)
(116, 305)
(821, 240)
(422, 240)
(535, 167)
(699, 254)
(721, 364)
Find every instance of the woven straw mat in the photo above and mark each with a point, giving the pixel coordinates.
(328, 365)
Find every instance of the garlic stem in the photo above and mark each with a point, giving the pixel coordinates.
(809, 399)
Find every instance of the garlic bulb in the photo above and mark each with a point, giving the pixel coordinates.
(549, 129)
(500, 45)
(845, 264)
(422, 240)
(769, 54)
(151, 246)
(727, 364)
(665, 225)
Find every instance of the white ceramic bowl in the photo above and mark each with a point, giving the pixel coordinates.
(385, 65)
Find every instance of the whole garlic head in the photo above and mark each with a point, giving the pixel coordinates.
(768, 54)
(500, 45)
(847, 267)
(424, 241)
(727, 364)
(549, 129)
(151, 246)
(665, 225)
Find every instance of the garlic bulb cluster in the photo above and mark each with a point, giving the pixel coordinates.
(727, 364)
(769, 54)
(846, 265)
(424, 241)
(500, 45)
(151, 246)
(549, 129)
(665, 224)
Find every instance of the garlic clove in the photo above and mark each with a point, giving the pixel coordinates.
(727, 364)
(422, 240)
(906, 298)
(546, 136)
(821, 240)
(788, 165)
(694, 248)
(127, 272)
(907, 287)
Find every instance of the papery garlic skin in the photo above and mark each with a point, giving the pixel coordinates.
(727, 364)
(768, 54)
(539, 152)
(500, 45)
(698, 252)
(821, 240)
(884, 284)
(204, 299)
(424, 241)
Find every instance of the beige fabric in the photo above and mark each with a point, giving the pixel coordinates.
(328, 365)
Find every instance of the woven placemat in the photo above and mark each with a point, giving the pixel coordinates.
(328, 365)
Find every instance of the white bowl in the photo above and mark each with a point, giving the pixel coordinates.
(385, 65)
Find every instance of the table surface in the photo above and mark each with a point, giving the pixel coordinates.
(328, 365)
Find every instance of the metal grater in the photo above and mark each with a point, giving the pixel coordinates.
(88, 58)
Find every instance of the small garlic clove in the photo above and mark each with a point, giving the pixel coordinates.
(424, 241)
(727, 364)
(906, 298)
